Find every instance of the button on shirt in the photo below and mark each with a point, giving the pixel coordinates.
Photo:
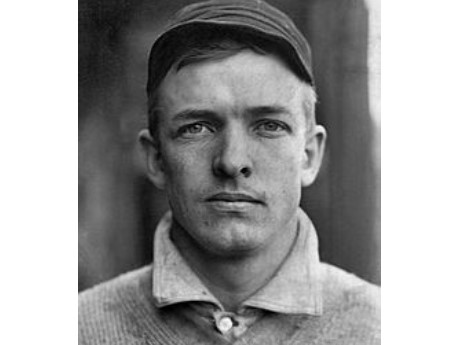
(224, 324)
(186, 304)
(306, 302)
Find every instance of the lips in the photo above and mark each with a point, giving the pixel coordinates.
(234, 198)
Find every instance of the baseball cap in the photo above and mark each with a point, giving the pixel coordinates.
(252, 17)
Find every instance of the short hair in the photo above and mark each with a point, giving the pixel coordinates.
(214, 46)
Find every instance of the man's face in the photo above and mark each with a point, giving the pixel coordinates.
(232, 154)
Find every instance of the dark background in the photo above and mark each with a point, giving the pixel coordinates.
(118, 207)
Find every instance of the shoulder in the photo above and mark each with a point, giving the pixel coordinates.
(344, 291)
(114, 309)
(351, 303)
(114, 289)
(340, 285)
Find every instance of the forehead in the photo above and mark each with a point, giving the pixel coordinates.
(243, 80)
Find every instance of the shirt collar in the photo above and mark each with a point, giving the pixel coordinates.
(294, 289)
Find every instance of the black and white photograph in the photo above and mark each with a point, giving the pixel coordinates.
(229, 172)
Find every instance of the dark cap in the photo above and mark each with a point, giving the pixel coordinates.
(254, 17)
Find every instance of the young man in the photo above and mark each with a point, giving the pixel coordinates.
(232, 139)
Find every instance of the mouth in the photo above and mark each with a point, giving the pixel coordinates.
(234, 198)
(234, 202)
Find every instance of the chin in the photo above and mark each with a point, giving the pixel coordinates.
(234, 240)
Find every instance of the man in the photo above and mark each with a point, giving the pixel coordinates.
(232, 139)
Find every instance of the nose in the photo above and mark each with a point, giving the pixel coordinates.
(232, 155)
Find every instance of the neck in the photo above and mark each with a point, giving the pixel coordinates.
(234, 277)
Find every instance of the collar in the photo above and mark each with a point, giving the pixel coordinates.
(294, 289)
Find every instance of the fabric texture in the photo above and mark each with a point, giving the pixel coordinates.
(165, 303)
(294, 289)
(251, 17)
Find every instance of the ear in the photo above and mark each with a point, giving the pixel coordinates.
(313, 154)
(151, 148)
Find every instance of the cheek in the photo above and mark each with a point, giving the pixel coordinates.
(184, 171)
(280, 172)
(282, 161)
(179, 163)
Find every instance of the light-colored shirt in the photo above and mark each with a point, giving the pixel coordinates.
(305, 302)
(294, 289)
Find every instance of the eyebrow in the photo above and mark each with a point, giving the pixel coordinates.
(194, 114)
(268, 110)
(257, 111)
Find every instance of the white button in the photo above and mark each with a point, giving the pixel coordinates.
(225, 324)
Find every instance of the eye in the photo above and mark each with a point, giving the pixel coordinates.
(194, 129)
(272, 127)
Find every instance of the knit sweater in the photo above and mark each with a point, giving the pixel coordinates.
(122, 311)
(304, 302)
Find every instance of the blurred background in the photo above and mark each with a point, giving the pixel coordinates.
(118, 206)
